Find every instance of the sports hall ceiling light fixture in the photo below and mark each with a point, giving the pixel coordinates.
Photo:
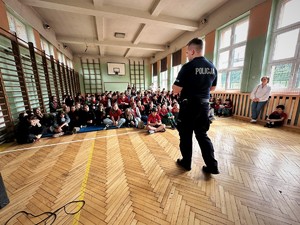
(119, 35)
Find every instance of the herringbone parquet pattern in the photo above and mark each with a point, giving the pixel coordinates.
(126, 176)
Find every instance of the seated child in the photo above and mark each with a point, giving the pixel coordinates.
(87, 116)
(61, 124)
(29, 129)
(114, 117)
(154, 122)
(130, 120)
(227, 108)
(218, 107)
(171, 119)
(143, 111)
(276, 118)
(100, 114)
(175, 110)
(162, 112)
(211, 112)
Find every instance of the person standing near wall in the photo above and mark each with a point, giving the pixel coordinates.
(194, 82)
(259, 97)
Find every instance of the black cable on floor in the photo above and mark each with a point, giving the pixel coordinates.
(51, 216)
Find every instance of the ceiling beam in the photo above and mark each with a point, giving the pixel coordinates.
(115, 12)
(98, 3)
(158, 6)
(139, 33)
(99, 22)
(143, 27)
(120, 44)
(127, 53)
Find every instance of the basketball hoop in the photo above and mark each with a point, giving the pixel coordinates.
(116, 70)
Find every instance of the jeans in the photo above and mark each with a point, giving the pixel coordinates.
(109, 122)
(256, 108)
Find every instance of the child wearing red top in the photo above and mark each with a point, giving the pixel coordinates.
(115, 117)
(276, 118)
(154, 122)
(175, 110)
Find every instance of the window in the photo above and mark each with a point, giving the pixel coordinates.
(154, 76)
(45, 47)
(61, 58)
(174, 73)
(69, 64)
(154, 81)
(164, 80)
(284, 59)
(17, 27)
(231, 54)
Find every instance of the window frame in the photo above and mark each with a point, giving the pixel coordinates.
(295, 60)
(174, 73)
(165, 80)
(22, 39)
(232, 46)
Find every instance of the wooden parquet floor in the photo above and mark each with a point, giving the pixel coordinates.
(126, 176)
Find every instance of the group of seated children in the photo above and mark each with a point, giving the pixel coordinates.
(129, 109)
(134, 109)
(275, 119)
(216, 107)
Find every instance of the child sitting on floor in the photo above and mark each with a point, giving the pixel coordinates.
(130, 119)
(276, 118)
(154, 123)
(227, 108)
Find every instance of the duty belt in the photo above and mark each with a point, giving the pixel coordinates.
(199, 100)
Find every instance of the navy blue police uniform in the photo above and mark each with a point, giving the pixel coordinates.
(196, 78)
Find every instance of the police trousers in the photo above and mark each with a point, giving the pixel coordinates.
(193, 117)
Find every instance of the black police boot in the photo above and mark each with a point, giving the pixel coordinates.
(212, 170)
(182, 165)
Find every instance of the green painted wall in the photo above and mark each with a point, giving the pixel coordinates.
(210, 56)
(113, 82)
(254, 55)
(257, 55)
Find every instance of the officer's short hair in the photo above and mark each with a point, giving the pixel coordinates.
(198, 43)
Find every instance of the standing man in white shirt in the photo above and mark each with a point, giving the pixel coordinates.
(259, 97)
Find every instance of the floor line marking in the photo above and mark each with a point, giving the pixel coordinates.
(84, 182)
(68, 142)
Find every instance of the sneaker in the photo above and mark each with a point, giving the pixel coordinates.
(151, 131)
(266, 125)
(212, 170)
(252, 121)
(106, 126)
(58, 134)
(181, 164)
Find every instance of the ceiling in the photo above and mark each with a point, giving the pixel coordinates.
(87, 27)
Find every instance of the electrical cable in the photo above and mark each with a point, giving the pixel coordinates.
(51, 216)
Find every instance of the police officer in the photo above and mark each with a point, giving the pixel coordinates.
(194, 82)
